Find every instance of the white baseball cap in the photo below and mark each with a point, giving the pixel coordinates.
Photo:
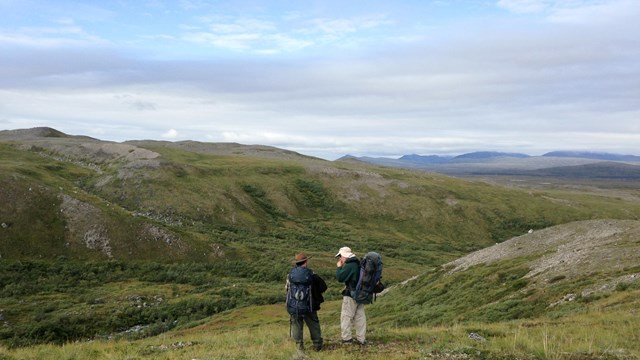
(345, 252)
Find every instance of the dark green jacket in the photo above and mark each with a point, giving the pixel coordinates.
(349, 273)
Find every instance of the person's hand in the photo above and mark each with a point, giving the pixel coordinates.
(340, 262)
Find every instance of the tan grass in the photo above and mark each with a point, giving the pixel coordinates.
(609, 330)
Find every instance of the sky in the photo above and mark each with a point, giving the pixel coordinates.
(329, 78)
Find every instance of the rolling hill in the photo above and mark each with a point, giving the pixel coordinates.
(187, 200)
(99, 237)
(551, 272)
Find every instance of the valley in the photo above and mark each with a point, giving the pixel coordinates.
(179, 250)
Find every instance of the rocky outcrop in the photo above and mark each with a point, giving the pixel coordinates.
(85, 225)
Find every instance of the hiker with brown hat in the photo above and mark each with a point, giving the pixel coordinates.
(347, 272)
(304, 295)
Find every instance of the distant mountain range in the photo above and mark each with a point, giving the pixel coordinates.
(473, 156)
(580, 164)
(593, 155)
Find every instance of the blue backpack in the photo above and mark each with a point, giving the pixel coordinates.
(369, 283)
(299, 299)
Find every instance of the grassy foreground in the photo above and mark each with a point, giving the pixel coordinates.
(610, 329)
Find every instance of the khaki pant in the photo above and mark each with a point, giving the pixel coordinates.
(352, 311)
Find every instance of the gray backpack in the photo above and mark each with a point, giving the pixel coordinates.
(369, 283)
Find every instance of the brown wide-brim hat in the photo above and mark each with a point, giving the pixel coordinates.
(300, 258)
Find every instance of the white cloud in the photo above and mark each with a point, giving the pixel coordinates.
(342, 26)
(242, 25)
(525, 6)
(51, 37)
(562, 77)
(577, 11)
(291, 33)
(170, 134)
(227, 41)
(618, 12)
(192, 4)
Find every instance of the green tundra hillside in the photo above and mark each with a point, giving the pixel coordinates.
(83, 198)
(98, 238)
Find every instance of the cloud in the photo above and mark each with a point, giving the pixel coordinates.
(63, 33)
(255, 35)
(618, 12)
(586, 12)
(242, 25)
(135, 102)
(344, 26)
(525, 6)
(254, 42)
(192, 4)
(170, 134)
(286, 34)
(561, 77)
(50, 38)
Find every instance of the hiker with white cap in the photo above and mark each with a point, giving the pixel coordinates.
(347, 272)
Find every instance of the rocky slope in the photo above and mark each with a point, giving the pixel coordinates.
(546, 273)
(568, 251)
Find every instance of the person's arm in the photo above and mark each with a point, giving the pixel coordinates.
(343, 273)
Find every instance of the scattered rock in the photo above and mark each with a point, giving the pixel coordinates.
(451, 201)
(216, 249)
(85, 225)
(174, 346)
(160, 234)
(477, 337)
(611, 285)
(566, 298)
(135, 329)
(142, 302)
(96, 239)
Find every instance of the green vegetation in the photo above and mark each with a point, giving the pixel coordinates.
(607, 330)
(66, 300)
(94, 248)
(489, 293)
(484, 294)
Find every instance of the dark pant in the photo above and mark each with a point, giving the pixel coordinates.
(313, 323)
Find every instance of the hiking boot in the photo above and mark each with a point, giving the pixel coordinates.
(363, 342)
(347, 342)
